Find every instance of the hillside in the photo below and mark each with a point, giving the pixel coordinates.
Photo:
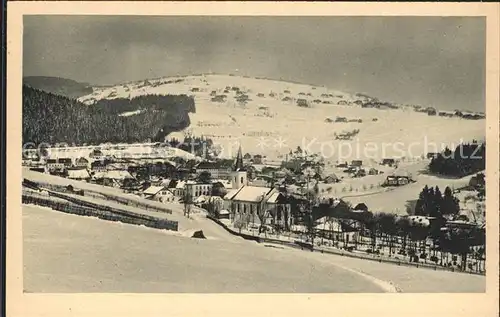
(59, 86)
(50, 118)
(272, 117)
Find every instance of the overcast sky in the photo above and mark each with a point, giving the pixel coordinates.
(423, 60)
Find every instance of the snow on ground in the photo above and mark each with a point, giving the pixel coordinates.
(130, 113)
(270, 126)
(395, 199)
(131, 151)
(68, 253)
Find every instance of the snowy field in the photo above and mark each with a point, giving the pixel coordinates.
(270, 126)
(68, 253)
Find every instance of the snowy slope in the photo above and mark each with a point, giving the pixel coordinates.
(271, 126)
(70, 254)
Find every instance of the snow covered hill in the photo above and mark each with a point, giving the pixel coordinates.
(272, 117)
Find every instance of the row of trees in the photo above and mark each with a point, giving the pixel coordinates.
(431, 202)
(200, 146)
(466, 159)
(49, 118)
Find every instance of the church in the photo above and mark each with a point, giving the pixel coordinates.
(254, 204)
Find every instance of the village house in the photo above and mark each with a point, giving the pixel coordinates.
(193, 190)
(356, 163)
(78, 174)
(82, 162)
(360, 172)
(53, 165)
(395, 180)
(97, 155)
(115, 178)
(216, 169)
(99, 166)
(177, 187)
(388, 161)
(65, 162)
(158, 193)
(341, 165)
(331, 178)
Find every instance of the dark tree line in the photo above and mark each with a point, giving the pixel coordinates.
(59, 86)
(196, 145)
(49, 118)
(432, 203)
(466, 159)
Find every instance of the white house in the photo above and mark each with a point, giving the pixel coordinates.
(195, 190)
(158, 193)
(82, 162)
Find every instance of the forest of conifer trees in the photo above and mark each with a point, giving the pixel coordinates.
(49, 118)
(466, 159)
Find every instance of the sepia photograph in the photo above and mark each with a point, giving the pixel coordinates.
(286, 154)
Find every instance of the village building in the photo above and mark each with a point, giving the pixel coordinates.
(158, 193)
(97, 155)
(53, 165)
(99, 166)
(356, 163)
(361, 207)
(115, 178)
(177, 187)
(247, 203)
(66, 162)
(360, 172)
(193, 190)
(78, 174)
(217, 170)
(82, 162)
(331, 178)
(388, 161)
(396, 180)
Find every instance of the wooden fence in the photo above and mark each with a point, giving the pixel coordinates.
(73, 206)
(95, 194)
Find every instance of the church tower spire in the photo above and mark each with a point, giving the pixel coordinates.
(238, 165)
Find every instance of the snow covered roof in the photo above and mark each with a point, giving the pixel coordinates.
(78, 174)
(251, 193)
(153, 190)
(231, 193)
(274, 198)
(114, 174)
(323, 223)
(180, 184)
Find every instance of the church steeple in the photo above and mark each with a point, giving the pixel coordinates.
(238, 164)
